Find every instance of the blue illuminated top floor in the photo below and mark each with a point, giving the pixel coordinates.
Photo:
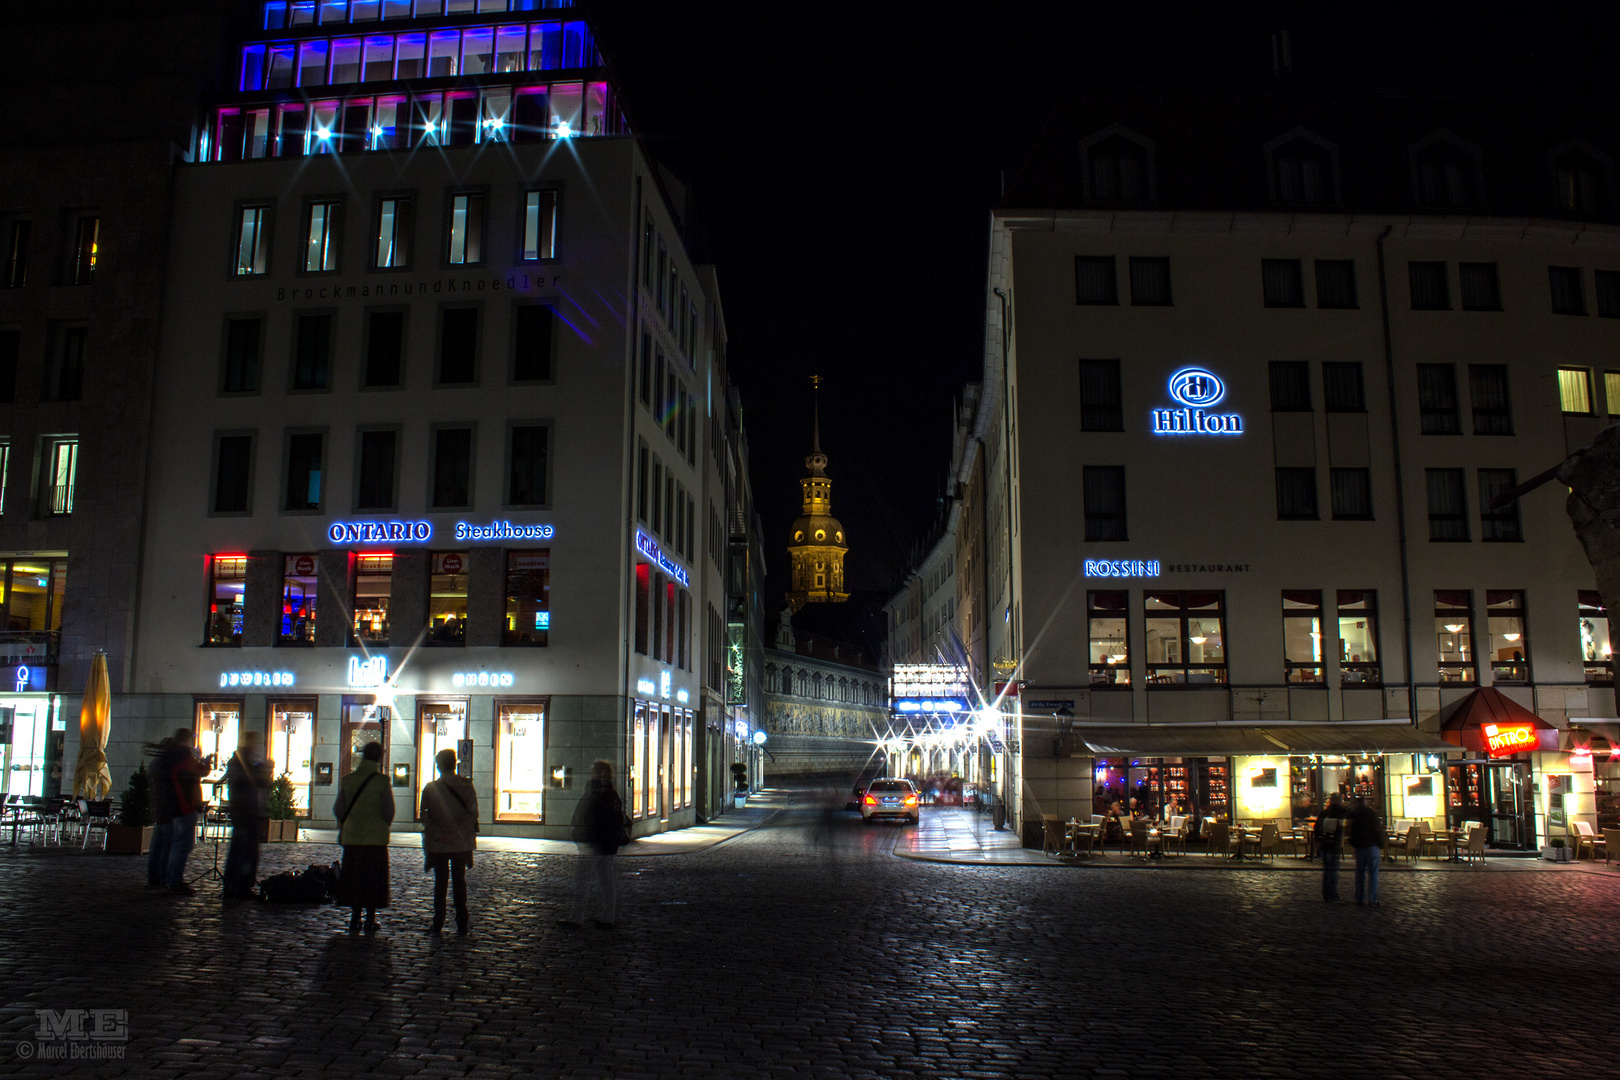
(283, 14)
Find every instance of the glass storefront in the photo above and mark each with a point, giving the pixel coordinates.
(637, 759)
(447, 599)
(298, 588)
(292, 746)
(1314, 779)
(441, 725)
(520, 762)
(363, 722)
(32, 758)
(218, 729)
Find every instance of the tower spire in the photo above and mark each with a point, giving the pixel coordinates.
(815, 413)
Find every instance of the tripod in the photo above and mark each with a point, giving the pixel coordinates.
(212, 873)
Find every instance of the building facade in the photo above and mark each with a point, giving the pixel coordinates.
(825, 707)
(440, 414)
(1269, 397)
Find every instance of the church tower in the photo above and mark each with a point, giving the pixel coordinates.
(817, 549)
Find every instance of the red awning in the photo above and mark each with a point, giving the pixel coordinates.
(1463, 722)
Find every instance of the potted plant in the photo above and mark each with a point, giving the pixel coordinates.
(739, 774)
(280, 810)
(131, 834)
(1555, 851)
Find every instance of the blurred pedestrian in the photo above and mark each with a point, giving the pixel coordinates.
(163, 809)
(364, 810)
(1367, 838)
(449, 836)
(601, 829)
(247, 779)
(183, 771)
(1329, 832)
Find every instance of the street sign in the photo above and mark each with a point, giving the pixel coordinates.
(1047, 706)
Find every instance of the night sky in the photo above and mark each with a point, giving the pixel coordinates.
(844, 161)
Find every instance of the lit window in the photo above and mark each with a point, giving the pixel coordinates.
(1596, 650)
(1302, 637)
(1575, 391)
(1185, 637)
(1611, 391)
(62, 464)
(1454, 635)
(373, 585)
(1358, 638)
(393, 233)
(292, 746)
(539, 225)
(1109, 644)
(520, 764)
(312, 63)
(5, 465)
(227, 582)
(320, 242)
(346, 60)
(447, 598)
(298, 593)
(86, 250)
(215, 736)
(528, 598)
(252, 240)
(1510, 643)
(466, 229)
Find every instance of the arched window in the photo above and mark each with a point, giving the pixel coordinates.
(1117, 167)
(1446, 173)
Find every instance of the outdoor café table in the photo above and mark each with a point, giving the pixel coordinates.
(1078, 829)
(1155, 843)
(1242, 832)
(1452, 838)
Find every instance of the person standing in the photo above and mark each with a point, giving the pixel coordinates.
(1329, 832)
(163, 811)
(247, 777)
(601, 829)
(182, 771)
(449, 836)
(1367, 838)
(364, 810)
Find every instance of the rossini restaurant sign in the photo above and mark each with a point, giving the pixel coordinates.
(1196, 391)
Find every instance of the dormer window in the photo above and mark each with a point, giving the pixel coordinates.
(1580, 178)
(1304, 170)
(1118, 167)
(1446, 173)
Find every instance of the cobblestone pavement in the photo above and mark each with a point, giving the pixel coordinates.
(804, 948)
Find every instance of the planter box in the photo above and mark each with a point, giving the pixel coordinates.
(740, 799)
(1557, 854)
(272, 831)
(129, 839)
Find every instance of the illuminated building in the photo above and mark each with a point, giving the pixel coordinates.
(816, 552)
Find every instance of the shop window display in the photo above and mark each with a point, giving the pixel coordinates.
(218, 730)
(447, 599)
(227, 581)
(520, 766)
(373, 585)
(298, 591)
(292, 747)
(441, 726)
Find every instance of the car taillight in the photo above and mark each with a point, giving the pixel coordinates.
(911, 800)
(871, 800)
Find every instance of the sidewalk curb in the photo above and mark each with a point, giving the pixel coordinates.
(945, 860)
(706, 847)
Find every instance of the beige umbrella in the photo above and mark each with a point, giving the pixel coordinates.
(90, 777)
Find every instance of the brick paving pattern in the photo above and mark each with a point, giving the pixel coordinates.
(805, 949)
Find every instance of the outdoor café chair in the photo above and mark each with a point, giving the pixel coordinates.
(1052, 826)
(1136, 833)
(1218, 838)
(1265, 842)
(1586, 839)
(1610, 841)
(94, 815)
(1475, 847)
(1413, 844)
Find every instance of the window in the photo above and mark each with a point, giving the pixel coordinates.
(1579, 184)
(1509, 641)
(539, 225)
(1101, 407)
(385, 350)
(393, 236)
(646, 369)
(304, 455)
(1351, 494)
(252, 240)
(1336, 283)
(532, 337)
(1454, 636)
(1498, 524)
(1119, 170)
(1437, 399)
(1150, 281)
(1283, 282)
(1342, 388)
(1575, 391)
(10, 353)
(233, 473)
(5, 467)
(1446, 175)
(1290, 386)
(1094, 280)
(1430, 289)
(1185, 634)
(242, 343)
(447, 598)
(312, 356)
(1302, 638)
(466, 229)
(642, 465)
(1611, 391)
(86, 249)
(1106, 618)
(1488, 387)
(520, 762)
(61, 473)
(458, 346)
(1105, 502)
(1358, 638)
(64, 378)
(1302, 174)
(298, 593)
(16, 267)
(644, 633)
(1608, 293)
(528, 598)
(526, 473)
(375, 491)
(227, 581)
(1296, 494)
(321, 234)
(373, 587)
(452, 466)
(1597, 652)
(1480, 289)
(1448, 507)
(1568, 297)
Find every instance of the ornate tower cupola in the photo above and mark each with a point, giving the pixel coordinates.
(817, 549)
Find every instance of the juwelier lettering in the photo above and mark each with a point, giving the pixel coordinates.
(516, 282)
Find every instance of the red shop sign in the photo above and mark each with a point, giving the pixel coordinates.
(304, 565)
(1502, 740)
(452, 564)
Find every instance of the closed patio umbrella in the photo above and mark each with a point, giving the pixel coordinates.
(90, 777)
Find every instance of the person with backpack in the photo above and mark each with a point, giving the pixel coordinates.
(1329, 832)
(449, 836)
(364, 810)
(248, 779)
(601, 829)
(1367, 840)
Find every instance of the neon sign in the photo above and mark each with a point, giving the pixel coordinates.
(256, 678)
(31, 677)
(481, 678)
(646, 686)
(1501, 740)
(1196, 390)
(372, 671)
(502, 530)
(380, 532)
(1122, 568)
(649, 547)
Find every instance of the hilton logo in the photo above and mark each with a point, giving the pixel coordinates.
(1196, 390)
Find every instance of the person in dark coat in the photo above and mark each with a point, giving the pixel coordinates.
(163, 811)
(247, 777)
(1367, 840)
(601, 829)
(1329, 832)
(179, 797)
(365, 810)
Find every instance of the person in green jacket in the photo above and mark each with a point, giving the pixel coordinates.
(365, 809)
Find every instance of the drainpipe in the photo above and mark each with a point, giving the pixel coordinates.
(1400, 482)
